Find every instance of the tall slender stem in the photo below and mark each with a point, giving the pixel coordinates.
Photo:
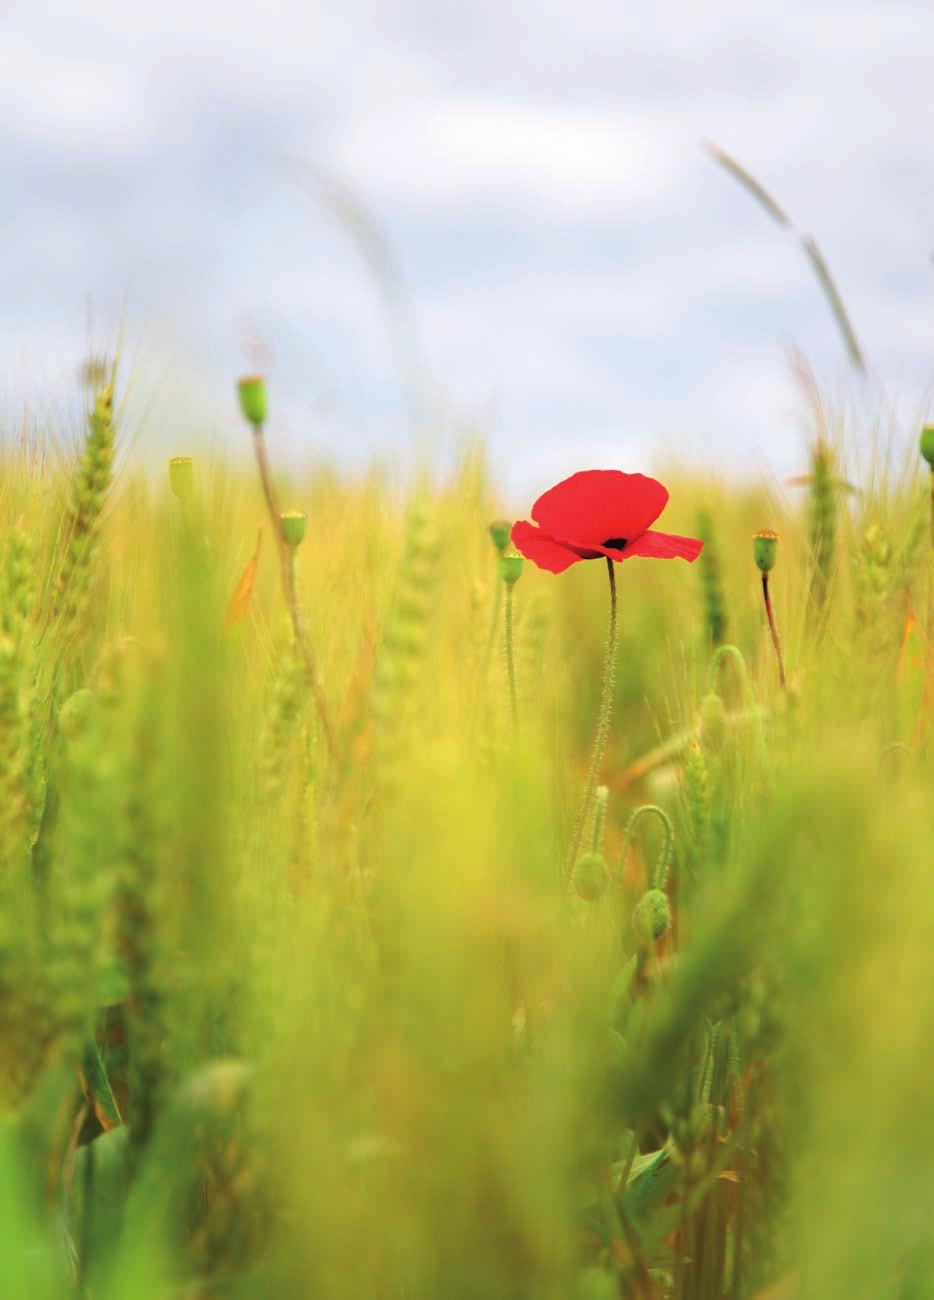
(494, 621)
(604, 713)
(510, 660)
(288, 587)
(772, 628)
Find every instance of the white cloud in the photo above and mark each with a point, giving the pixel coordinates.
(578, 266)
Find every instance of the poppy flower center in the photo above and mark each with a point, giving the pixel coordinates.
(615, 543)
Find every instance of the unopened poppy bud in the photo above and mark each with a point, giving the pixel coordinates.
(499, 531)
(590, 876)
(182, 477)
(652, 915)
(712, 720)
(764, 550)
(927, 444)
(252, 390)
(510, 567)
(294, 523)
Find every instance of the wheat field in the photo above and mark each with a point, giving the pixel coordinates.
(300, 993)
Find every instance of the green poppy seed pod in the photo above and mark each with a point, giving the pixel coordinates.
(764, 550)
(927, 444)
(510, 567)
(652, 916)
(712, 721)
(294, 523)
(590, 876)
(252, 390)
(499, 531)
(182, 477)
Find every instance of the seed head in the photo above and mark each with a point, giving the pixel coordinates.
(252, 390)
(764, 549)
(182, 477)
(294, 523)
(510, 567)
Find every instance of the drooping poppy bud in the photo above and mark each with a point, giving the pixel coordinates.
(294, 523)
(252, 390)
(182, 477)
(765, 549)
(652, 915)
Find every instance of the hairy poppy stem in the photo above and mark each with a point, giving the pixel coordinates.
(510, 660)
(289, 591)
(603, 728)
(772, 628)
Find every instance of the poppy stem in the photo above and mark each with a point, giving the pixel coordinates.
(510, 660)
(289, 590)
(604, 713)
(494, 620)
(772, 628)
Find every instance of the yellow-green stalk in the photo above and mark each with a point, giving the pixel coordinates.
(81, 527)
(401, 650)
(715, 617)
(822, 527)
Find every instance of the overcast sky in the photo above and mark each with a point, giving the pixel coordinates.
(582, 282)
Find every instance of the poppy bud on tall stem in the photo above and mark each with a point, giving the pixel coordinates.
(765, 546)
(252, 392)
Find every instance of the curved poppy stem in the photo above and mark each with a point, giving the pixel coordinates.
(659, 875)
(603, 729)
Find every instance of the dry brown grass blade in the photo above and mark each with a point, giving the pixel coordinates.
(366, 234)
(808, 244)
(242, 594)
(748, 182)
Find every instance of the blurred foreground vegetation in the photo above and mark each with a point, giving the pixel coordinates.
(285, 1019)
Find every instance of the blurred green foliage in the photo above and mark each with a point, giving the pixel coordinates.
(277, 1023)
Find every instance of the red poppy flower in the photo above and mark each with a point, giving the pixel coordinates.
(599, 512)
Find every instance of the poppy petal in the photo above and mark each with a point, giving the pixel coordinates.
(541, 549)
(596, 504)
(663, 546)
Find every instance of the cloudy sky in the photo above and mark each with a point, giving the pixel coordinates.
(567, 269)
